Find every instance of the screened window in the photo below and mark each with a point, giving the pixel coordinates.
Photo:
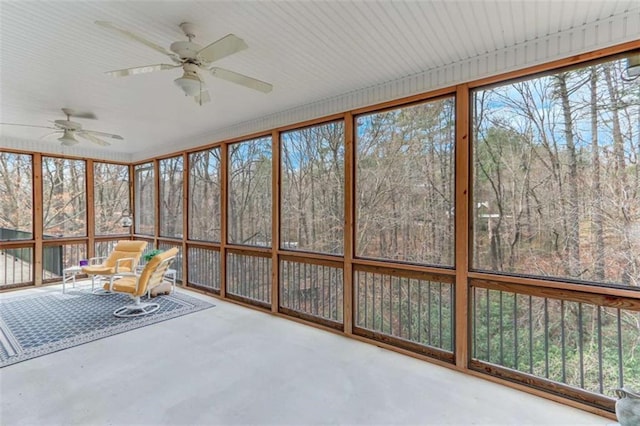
(405, 183)
(16, 196)
(249, 209)
(64, 197)
(111, 197)
(556, 183)
(204, 195)
(171, 176)
(145, 198)
(312, 194)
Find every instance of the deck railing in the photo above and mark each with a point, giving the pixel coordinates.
(312, 289)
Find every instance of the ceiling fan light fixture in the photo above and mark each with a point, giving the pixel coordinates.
(189, 84)
(67, 139)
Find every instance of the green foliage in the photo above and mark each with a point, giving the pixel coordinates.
(148, 256)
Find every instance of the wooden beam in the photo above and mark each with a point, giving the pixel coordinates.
(91, 208)
(37, 218)
(349, 221)
(224, 219)
(158, 202)
(185, 217)
(462, 227)
(561, 294)
(275, 220)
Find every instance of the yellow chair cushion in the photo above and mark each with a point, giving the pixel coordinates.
(123, 285)
(128, 284)
(123, 249)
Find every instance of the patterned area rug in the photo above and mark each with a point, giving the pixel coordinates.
(39, 324)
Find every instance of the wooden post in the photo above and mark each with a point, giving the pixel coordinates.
(349, 214)
(132, 204)
(91, 208)
(462, 227)
(185, 217)
(37, 218)
(224, 195)
(158, 201)
(275, 220)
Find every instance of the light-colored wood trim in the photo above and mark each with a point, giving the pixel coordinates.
(631, 293)
(349, 222)
(224, 210)
(91, 208)
(400, 266)
(462, 228)
(561, 294)
(560, 63)
(64, 241)
(302, 255)
(338, 264)
(38, 220)
(391, 270)
(249, 251)
(275, 219)
(203, 244)
(406, 101)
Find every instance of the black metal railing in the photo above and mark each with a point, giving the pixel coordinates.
(249, 276)
(420, 311)
(16, 266)
(311, 289)
(582, 345)
(204, 268)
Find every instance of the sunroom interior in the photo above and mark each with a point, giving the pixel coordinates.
(457, 182)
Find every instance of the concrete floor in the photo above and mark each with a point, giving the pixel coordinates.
(231, 365)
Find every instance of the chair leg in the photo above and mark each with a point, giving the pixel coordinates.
(102, 291)
(137, 309)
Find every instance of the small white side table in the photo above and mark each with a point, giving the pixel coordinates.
(70, 274)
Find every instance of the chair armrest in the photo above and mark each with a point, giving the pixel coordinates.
(133, 261)
(97, 260)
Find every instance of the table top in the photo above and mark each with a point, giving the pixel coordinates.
(73, 269)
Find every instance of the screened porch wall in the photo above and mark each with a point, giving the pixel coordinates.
(385, 224)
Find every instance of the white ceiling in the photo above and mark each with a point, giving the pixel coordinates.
(53, 55)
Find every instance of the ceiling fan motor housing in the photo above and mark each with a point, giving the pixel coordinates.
(185, 49)
(68, 125)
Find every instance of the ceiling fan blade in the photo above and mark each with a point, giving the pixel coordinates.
(50, 134)
(141, 70)
(93, 139)
(30, 125)
(202, 98)
(79, 114)
(103, 134)
(227, 45)
(241, 79)
(108, 25)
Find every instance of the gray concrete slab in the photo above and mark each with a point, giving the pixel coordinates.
(231, 365)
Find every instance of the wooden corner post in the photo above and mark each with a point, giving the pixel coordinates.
(462, 227)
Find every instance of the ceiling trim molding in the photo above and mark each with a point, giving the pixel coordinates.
(54, 148)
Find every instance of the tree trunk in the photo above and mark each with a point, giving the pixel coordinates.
(596, 190)
(573, 219)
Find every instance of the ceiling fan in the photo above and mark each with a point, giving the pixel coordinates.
(70, 129)
(193, 59)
